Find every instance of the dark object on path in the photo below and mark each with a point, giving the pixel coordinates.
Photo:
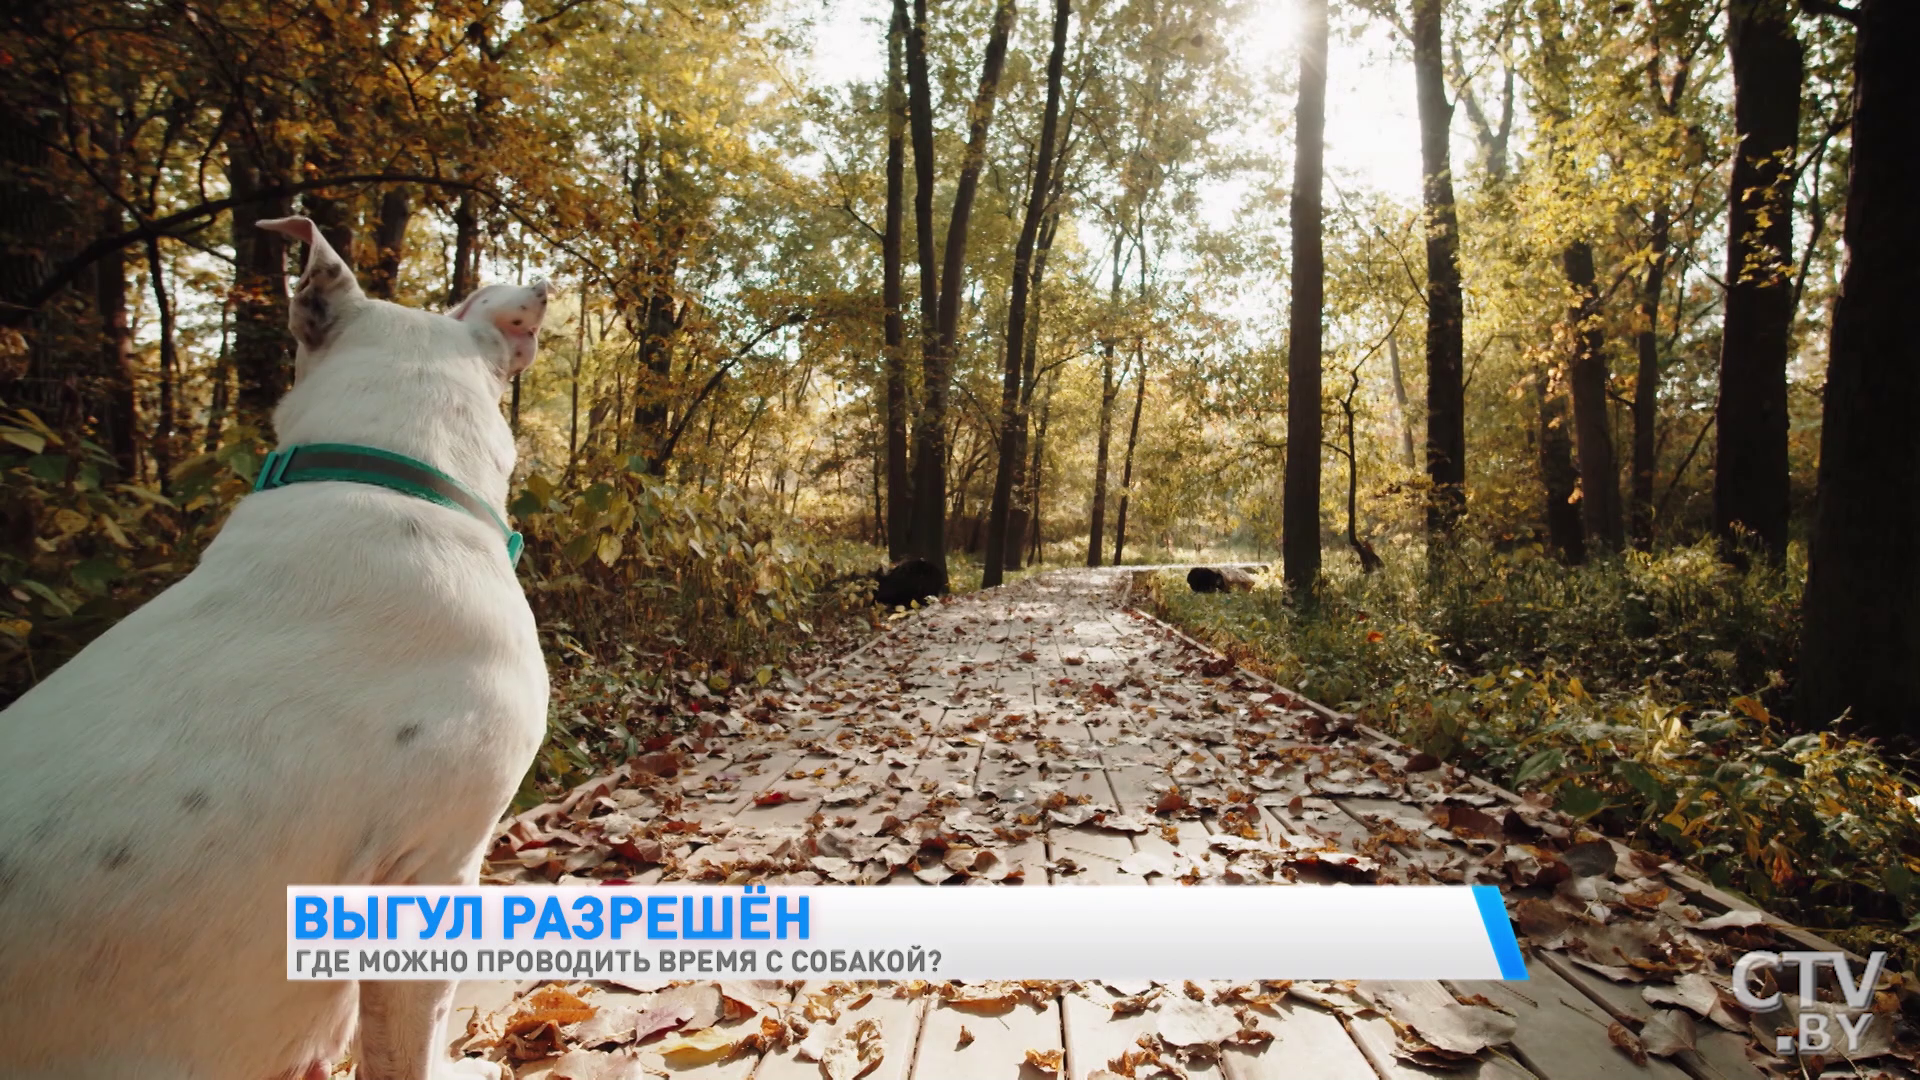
(909, 581)
(1210, 579)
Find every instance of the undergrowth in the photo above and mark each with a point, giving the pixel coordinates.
(1639, 692)
(654, 603)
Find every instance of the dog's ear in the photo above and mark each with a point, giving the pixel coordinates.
(515, 312)
(327, 284)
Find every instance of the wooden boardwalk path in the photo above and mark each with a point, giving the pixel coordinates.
(1046, 734)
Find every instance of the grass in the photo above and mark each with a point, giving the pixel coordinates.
(1639, 692)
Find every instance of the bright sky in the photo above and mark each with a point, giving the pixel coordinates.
(1373, 138)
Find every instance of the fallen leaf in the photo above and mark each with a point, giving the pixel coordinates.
(1446, 1024)
(702, 1047)
(1732, 920)
(1667, 1032)
(1628, 1042)
(1047, 1061)
(855, 1053)
(1693, 991)
(965, 1040)
(1185, 1022)
(625, 1064)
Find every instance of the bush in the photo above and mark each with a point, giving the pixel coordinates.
(653, 602)
(656, 601)
(1639, 691)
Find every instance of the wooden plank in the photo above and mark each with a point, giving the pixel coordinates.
(1307, 1042)
(1562, 1035)
(998, 1043)
(899, 1019)
(1094, 1036)
(1718, 1054)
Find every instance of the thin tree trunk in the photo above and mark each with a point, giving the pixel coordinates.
(930, 451)
(1300, 499)
(1558, 478)
(1013, 417)
(1750, 458)
(169, 367)
(119, 418)
(1860, 648)
(899, 508)
(390, 242)
(1446, 389)
(1097, 519)
(1587, 378)
(466, 250)
(1646, 385)
(1126, 469)
(217, 406)
(1026, 494)
(573, 388)
(1035, 523)
(1400, 416)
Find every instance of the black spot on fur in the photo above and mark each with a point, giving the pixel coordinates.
(121, 855)
(196, 801)
(407, 734)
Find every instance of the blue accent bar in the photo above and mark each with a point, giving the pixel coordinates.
(1493, 912)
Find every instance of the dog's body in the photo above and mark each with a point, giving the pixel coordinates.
(347, 690)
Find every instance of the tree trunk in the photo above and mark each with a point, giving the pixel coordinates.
(1013, 416)
(218, 403)
(1861, 641)
(163, 425)
(1300, 500)
(262, 361)
(466, 250)
(390, 241)
(1446, 388)
(117, 417)
(1750, 464)
(1587, 378)
(930, 450)
(1400, 414)
(1097, 519)
(1558, 477)
(1126, 469)
(899, 506)
(1646, 384)
(1036, 524)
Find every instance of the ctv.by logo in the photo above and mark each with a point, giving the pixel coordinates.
(1813, 1037)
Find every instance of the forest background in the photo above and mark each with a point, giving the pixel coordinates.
(1584, 311)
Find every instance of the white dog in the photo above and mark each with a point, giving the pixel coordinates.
(347, 690)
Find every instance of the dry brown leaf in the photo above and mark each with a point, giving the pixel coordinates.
(1693, 991)
(1446, 1025)
(855, 1053)
(1668, 1032)
(1628, 1042)
(1047, 1061)
(1185, 1022)
(627, 1064)
(965, 1040)
(702, 1047)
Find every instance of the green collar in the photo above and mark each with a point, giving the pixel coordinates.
(382, 468)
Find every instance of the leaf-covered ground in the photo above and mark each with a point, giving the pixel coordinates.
(1046, 734)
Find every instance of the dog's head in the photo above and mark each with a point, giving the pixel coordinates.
(329, 312)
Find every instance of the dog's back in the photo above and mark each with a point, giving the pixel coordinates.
(346, 690)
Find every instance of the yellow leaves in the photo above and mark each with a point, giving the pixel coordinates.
(702, 1047)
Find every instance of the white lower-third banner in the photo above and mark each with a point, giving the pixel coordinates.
(1105, 932)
